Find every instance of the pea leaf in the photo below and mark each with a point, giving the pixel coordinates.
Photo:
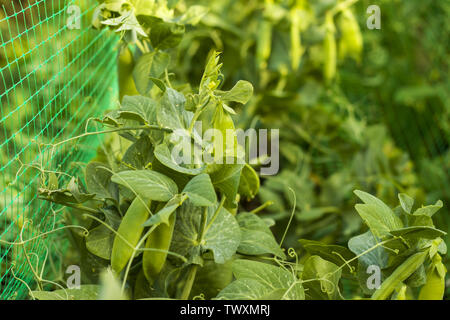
(257, 280)
(222, 236)
(332, 253)
(418, 232)
(429, 210)
(150, 185)
(406, 202)
(164, 156)
(227, 181)
(138, 108)
(201, 191)
(257, 239)
(163, 34)
(170, 112)
(100, 242)
(378, 216)
(85, 292)
(149, 65)
(249, 182)
(98, 181)
(139, 155)
(362, 243)
(241, 92)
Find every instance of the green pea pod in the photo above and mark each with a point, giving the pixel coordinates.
(160, 238)
(264, 43)
(329, 47)
(399, 275)
(434, 288)
(296, 43)
(125, 70)
(131, 229)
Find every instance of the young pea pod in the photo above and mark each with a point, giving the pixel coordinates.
(130, 229)
(399, 275)
(125, 69)
(264, 43)
(434, 288)
(351, 42)
(160, 238)
(329, 47)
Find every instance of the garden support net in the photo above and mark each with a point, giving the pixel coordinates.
(55, 73)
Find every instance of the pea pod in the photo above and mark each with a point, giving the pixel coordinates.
(351, 42)
(434, 288)
(125, 70)
(399, 275)
(329, 47)
(296, 43)
(160, 238)
(131, 229)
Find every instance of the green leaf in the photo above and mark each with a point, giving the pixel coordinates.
(163, 215)
(164, 156)
(379, 221)
(139, 155)
(257, 239)
(241, 92)
(327, 274)
(249, 182)
(163, 34)
(257, 280)
(100, 242)
(332, 253)
(227, 181)
(149, 65)
(98, 181)
(193, 15)
(138, 108)
(170, 112)
(429, 210)
(406, 202)
(201, 191)
(85, 292)
(150, 185)
(364, 242)
(222, 236)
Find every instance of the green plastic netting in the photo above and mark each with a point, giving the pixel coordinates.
(55, 73)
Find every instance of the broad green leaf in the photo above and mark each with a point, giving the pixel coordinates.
(163, 215)
(257, 280)
(241, 92)
(382, 212)
(164, 156)
(85, 292)
(138, 108)
(257, 239)
(429, 210)
(332, 253)
(249, 182)
(227, 181)
(100, 242)
(151, 64)
(139, 155)
(211, 278)
(170, 112)
(222, 234)
(379, 221)
(363, 243)
(406, 202)
(327, 274)
(98, 181)
(419, 232)
(201, 191)
(150, 185)
(163, 34)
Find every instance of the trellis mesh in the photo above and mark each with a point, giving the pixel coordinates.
(55, 73)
